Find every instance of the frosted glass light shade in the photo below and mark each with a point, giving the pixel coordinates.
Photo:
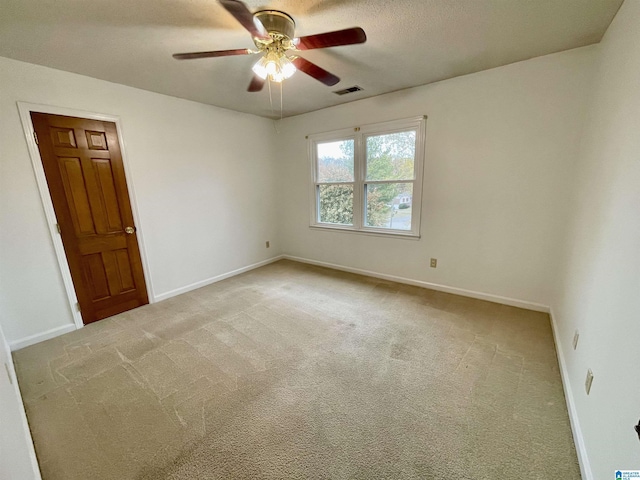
(275, 66)
(260, 68)
(287, 67)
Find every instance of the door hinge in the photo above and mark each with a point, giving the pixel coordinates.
(58, 228)
(78, 307)
(35, 136)
(8, 373)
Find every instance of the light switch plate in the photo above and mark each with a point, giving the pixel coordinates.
(588, 381)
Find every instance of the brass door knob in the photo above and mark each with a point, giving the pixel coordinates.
(129, 230)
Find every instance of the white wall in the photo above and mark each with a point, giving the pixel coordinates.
(599, 287)
(17, 456)
(499, 149)
(204, 178)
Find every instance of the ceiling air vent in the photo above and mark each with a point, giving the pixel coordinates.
(355, 88)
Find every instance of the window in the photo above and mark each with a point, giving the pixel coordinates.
(369, 179)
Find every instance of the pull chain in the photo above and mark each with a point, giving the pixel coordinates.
(270, 98)
(281, 100)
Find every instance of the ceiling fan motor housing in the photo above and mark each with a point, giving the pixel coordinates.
(276, 23)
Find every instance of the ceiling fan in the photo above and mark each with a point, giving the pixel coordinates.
(273, 33)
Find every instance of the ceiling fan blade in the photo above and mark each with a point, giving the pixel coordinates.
(243, 15)
(215, 53)
(348, 36)
(256, 84)
(315, 71)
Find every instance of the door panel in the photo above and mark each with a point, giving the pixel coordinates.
(96, 276)
(76, 195)
(85, 174)
(108, 197)
(125, 275)
(63, 137)
(96, 140)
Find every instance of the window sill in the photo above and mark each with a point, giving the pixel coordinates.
(371, 232)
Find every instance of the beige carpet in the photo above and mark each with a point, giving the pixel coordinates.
(293, 371)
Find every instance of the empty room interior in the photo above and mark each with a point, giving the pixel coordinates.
(319, 239)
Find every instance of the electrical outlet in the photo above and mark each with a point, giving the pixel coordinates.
(576, 336)
(434, 262)
(588, 381)
(267, 243)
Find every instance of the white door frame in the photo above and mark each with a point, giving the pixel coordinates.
(25, 109)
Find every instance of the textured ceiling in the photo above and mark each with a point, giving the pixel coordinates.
(410, 42)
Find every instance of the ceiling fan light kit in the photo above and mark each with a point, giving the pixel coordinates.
(276, 67)
(280, 28)
(273, 33)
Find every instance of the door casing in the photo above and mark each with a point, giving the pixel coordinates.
(25, 110)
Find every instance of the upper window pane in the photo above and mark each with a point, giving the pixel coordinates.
(335, 161)
(391, 156)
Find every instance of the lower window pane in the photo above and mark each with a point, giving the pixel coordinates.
(336, 204)
(389, 205)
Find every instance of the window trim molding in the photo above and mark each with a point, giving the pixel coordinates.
(359, 135)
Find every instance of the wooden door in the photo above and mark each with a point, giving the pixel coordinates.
(84, 170)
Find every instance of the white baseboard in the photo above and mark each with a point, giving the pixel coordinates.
(41, 337)
(209, 281)
(25, 342)
(433, 286)
(578, 439)
(54, 332)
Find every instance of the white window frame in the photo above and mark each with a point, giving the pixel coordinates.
(359, 135)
